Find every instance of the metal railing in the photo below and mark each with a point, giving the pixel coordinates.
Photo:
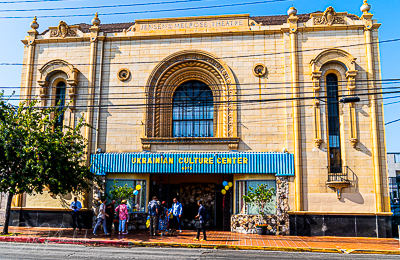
(338, 173)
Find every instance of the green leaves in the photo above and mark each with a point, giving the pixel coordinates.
(119, 193)
(259, 197)
(35, 153)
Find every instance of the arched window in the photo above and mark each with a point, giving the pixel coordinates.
(60, 101)
(193, 110)
(335, 158)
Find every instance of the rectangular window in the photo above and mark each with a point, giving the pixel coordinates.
(397, 158)
(242, 188)
(138, 202)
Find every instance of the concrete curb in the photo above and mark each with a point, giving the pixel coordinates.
(119, 243)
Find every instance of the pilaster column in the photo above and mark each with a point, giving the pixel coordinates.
(292, 20)
(351, 86)
(94, 31)
(316, 75)
(30, 59)
(374, 111)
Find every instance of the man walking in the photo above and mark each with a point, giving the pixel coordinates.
(110, 210)
(153, 213)
(76, 207)
(201, 216)
(101, 218)
(177, 212)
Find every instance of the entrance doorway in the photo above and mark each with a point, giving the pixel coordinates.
(190, 188)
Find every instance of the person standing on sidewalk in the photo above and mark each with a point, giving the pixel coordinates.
(177, 212)
(122, 210)
(101, 218)
(201, 216)
(163, 218)
(110, 210)
(76, 207)
(153, 213)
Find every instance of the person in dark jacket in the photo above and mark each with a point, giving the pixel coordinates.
(202, 217)
(153, 214)
(110, 210)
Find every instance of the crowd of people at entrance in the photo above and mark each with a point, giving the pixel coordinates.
(161, 219)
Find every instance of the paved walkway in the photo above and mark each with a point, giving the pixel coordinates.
(216, 239)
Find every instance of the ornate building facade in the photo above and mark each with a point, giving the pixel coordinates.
(180, 106)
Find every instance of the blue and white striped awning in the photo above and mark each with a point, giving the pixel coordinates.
(279, 164)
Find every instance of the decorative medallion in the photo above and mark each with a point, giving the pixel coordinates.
(124, 74)
(329, 18)
(63, 30)
(259, 70)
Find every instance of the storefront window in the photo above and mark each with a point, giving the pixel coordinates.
(242, 187)
(138, 202)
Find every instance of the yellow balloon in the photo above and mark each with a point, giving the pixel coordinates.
(138, 187)
(230, 184)
(226, 187)
(223, 192)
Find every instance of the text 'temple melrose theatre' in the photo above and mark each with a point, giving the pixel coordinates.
(180, 105)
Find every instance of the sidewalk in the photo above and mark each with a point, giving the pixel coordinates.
(216, 239)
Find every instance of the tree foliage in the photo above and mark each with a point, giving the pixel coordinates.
(35, 153)
(259, 197)
(118, 193)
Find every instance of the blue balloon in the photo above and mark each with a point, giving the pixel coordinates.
(135, 192)
(225, 183)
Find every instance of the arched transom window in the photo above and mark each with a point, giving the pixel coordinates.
(193, 110)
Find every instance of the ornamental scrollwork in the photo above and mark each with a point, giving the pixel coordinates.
(63, 30)
(329, 18)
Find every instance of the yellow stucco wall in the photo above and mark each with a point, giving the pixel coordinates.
(264, 127)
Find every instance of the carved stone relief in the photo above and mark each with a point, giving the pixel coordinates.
(329, 18)
(63, 30)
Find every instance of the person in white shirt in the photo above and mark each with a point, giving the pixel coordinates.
(76, 207)
(101, 218)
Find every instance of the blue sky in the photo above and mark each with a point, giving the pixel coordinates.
(14, 30)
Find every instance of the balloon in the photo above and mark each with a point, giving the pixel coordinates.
(226, 187)
(230, 184)
(224, 183)
(136, 192)
(138, 187)
(223, 192)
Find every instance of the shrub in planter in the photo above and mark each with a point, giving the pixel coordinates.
(260, 197)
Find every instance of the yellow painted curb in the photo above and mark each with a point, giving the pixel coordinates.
(379, 252)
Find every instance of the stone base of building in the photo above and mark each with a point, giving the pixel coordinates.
(341, 225)
(246, 224)
(48, 218)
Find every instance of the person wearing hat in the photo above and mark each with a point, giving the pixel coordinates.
(122, 210)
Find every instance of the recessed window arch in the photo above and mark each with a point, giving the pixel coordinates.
(332, 92)
(193, 110)
(60, 90)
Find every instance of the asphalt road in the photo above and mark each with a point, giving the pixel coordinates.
(62, 251)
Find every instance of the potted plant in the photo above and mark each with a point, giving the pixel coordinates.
(260, 197)
(262, 229)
